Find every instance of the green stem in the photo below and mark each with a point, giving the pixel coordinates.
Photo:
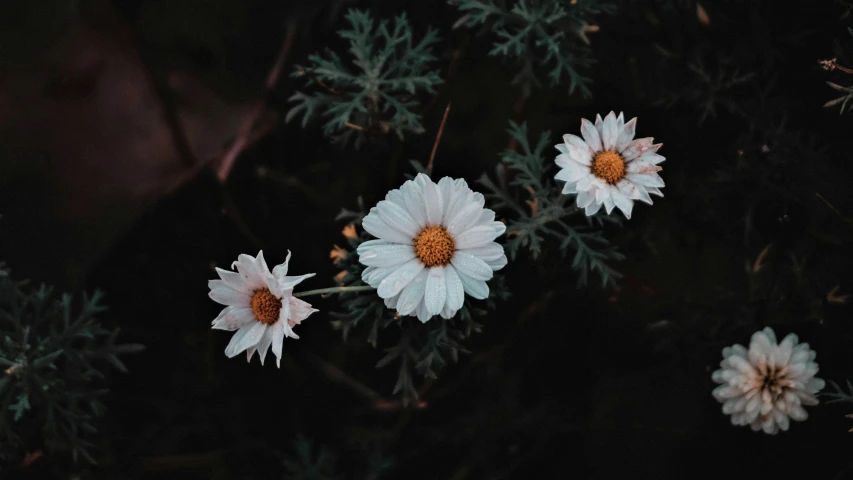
(322, 291)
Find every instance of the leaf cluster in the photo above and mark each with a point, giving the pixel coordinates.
(308, 462)
(549, 33)
(523, 188)
(375, 93)
(54, 357)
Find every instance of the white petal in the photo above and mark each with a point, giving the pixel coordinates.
(622, 202)
(397, 218)
(609, 132)
(637, 148)
(280, 270)
(263, 345)
(585, 198)
(233, 318)
(464, 218)
(387, 255)
(476, 288)
(479, 236)
(414, 201)
(377, 227)
(401, 277)
(471, 266)
(277, 335)
(591, 136)
(592, 209)
(578, 150)
(300, 310)
(652, 180)
(289, 281)
(246, 337)
(499, 227)
(233, 280)
(433, 203)
(641, 167)
(436, 290)
(413, 294)
(571, 171)
(249, 271)
(626, 135)
(491, 251)
(455, 290)
(497, 263)
(228, 296)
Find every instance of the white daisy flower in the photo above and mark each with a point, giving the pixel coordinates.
(259, 304)
(436, 243)
(766, 385)
(608, 167)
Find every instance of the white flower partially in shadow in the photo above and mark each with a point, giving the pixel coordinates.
(607, 167)
(260, 306)
(767, 385)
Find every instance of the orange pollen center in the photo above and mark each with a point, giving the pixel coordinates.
(265, 306)
(609, 166)
(434, 246)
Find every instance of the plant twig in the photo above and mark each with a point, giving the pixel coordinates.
(834, 209)
(242, 139)
(323, 291)
(437, 139)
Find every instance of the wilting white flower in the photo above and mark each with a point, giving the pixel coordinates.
(764, 386)
(436, 243)
(608, 167)
(259, 304)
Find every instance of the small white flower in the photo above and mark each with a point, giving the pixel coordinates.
(259, 304)
(436, 243)
(764, 386)
(608, 167)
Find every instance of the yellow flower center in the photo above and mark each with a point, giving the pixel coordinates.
(265, 306)
(434, 246)
(609, 166)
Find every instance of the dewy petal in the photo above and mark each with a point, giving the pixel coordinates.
(246, 337)
(471, 266)
(412, 294)
(464, 218)
(455, 290)
(609, 132)
(387, 255)
(413, 198)
(476, 288)
(377, 227)
(590, 135)
(479, 236)
(435, 294)
(488, 252)
(397, 218)
(394, 283)
(433, 203)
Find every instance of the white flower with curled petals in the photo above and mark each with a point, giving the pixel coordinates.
(608, 167)
(260, 306)
(767, 385)
(435, 243)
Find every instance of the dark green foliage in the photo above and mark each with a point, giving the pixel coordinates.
(424, 348)
(838, 394)
(545, 213)
(54, 361)
(308, 463)
(380, 94)
(550, 33)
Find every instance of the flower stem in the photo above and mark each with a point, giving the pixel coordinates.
(322, 291)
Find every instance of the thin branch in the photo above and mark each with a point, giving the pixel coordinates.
(323, 291)
(834, 209)
(245, 132)
(437, 139)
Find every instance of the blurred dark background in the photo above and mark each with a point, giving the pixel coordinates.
(114, 115)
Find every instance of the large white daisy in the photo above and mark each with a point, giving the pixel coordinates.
(766, 385)
(435, 244)
(608, 167)
(259, 304)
